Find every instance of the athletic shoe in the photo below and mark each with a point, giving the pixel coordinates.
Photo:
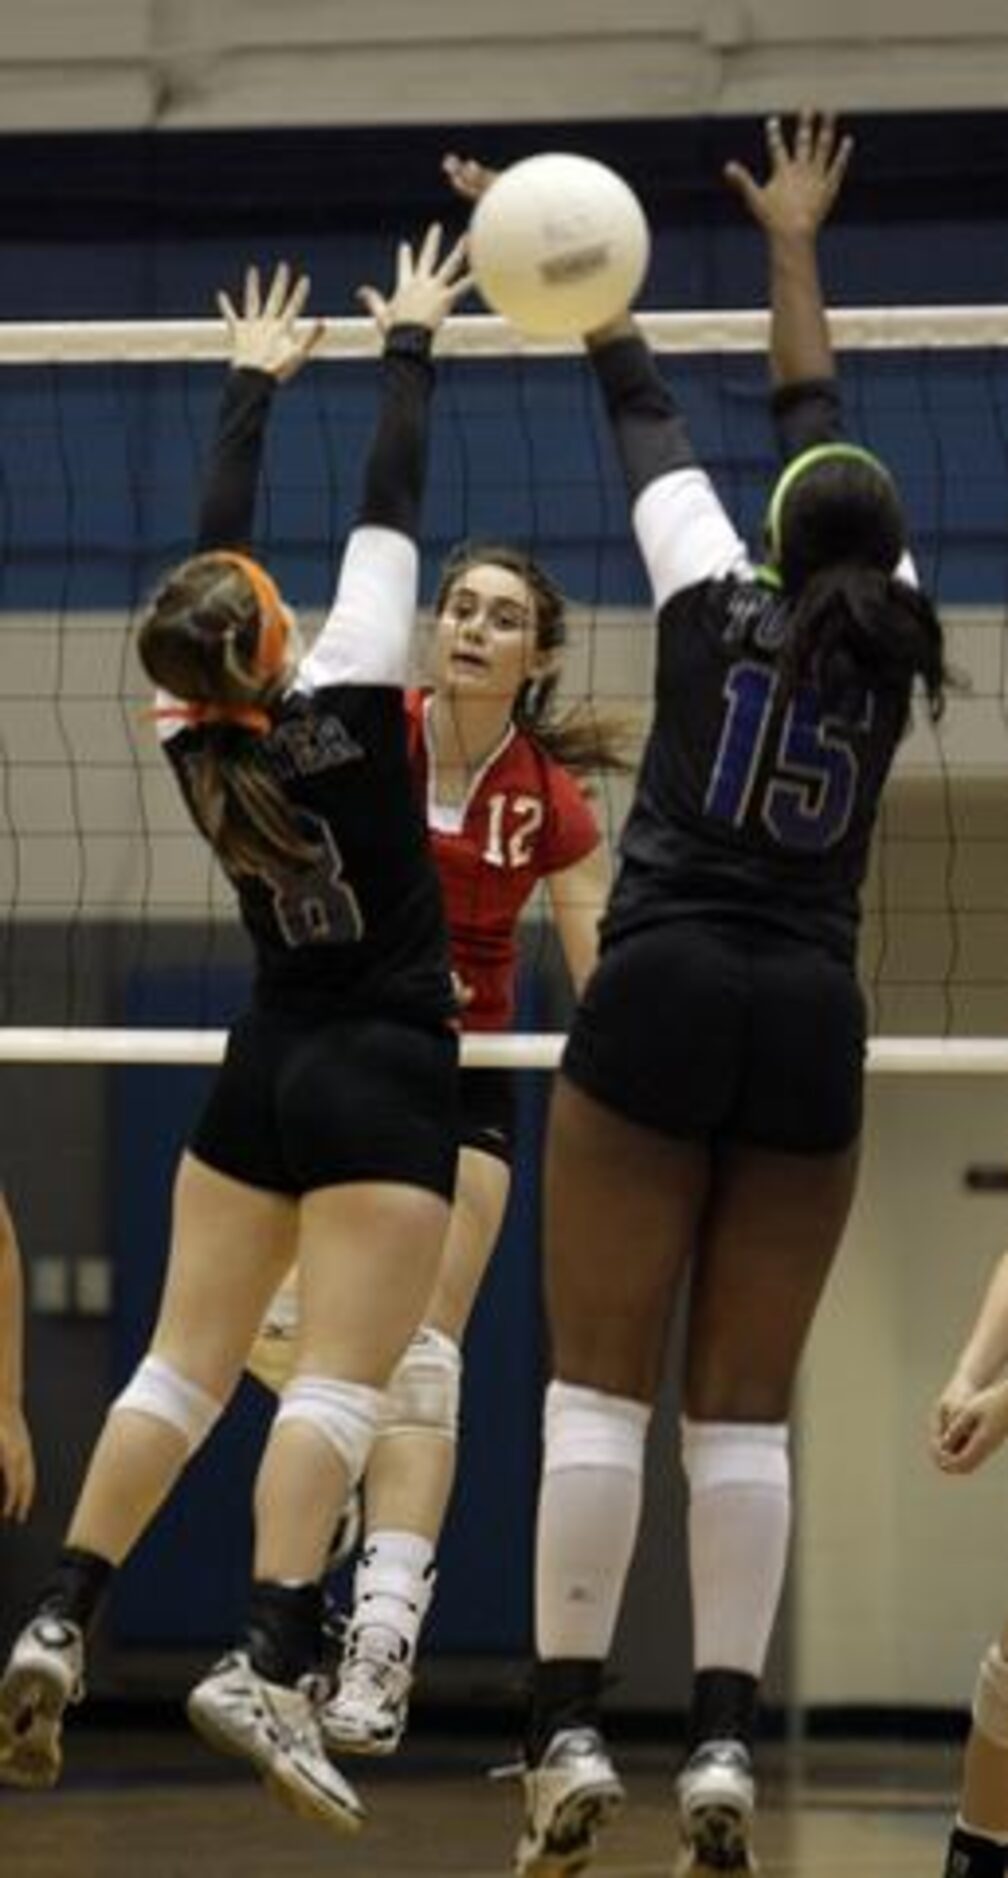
(45, 1672)
(274, 1727)
(716, 1796)
(569, 1795)
(368, 1710)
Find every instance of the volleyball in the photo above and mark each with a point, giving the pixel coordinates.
(558, 245)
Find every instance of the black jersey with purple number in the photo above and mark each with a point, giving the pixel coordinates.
(753, 800)
(364, 931)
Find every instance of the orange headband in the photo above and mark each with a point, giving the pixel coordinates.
(271, 645)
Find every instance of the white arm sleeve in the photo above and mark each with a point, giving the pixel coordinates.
(367, 636)
(906, 569)
(684, 534)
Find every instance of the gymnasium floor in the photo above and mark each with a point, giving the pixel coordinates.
(162, 1806)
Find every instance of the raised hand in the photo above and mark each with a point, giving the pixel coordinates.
(804, 180)
(265, 333)
(426, 287)
(467, 177)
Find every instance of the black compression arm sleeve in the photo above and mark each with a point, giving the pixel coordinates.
(227, 503)
(806, 413)
(394, 478)
(649, 429)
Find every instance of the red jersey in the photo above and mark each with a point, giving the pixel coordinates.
(524, 817)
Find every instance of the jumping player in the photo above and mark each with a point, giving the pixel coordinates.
(969, 1423)
(17, 1461)
(330, 1133)
(709, 1106)
(496, 769)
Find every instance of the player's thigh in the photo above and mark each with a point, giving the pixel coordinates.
(231, 1245)
(771, 1231)
(481, 1195)
(622, 1204)
(368, 1254)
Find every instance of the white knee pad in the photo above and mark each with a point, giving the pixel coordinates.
(589, 1428)
(990, 1698)
(344, 1413)
(424, 1389)
(160, 1391)
(735, 1454)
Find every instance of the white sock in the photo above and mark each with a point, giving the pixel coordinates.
(589, 1509)
(739, 1523)
(393, 1584)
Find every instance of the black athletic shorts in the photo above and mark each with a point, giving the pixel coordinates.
(707, 1031)
(301, 1103)
(488, 1112)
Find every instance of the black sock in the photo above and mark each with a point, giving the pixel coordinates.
(76, 1586)
(283, 1632)
(970, 1855)
(723, 1707)
(566, 1692)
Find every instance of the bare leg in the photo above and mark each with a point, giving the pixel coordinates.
(772, 1229)
(230, 1247)
(623, 1205)
(412, 1470)
(367, 1257)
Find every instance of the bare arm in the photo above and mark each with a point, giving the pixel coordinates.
(790, 206)
(970, 1418)
(17, 1464)
(578, 897)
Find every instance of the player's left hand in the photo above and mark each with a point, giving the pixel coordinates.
(469, 178)
(967, 1425)
(17, 1464)
(265, 333)
(804, 179)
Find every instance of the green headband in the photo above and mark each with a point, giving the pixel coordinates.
(819, 453)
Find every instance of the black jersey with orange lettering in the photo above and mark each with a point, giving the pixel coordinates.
(755, 799)
(364, 931)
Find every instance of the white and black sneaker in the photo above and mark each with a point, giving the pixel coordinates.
(716, 1799)
(369, 1708)
(276, 1728)
(45, 1672)
(572, 1792)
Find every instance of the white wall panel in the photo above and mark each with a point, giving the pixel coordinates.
(181, 63)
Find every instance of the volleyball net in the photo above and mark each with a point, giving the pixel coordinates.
(118, 928)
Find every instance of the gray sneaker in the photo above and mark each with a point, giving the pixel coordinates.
(45, 1672)
(716, 1799)
(274, 1727)
(572, 1792)
(368, 1710)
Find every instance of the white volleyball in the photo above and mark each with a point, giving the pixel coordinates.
(559, 245)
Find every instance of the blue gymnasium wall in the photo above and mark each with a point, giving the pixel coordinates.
(96, 492)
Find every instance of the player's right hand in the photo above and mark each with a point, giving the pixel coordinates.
(804, 180)
(968, 1424)
(426, 287)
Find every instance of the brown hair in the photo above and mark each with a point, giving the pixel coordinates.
(581, 738)
(202, 640)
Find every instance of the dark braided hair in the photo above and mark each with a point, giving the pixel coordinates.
(836, 535)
